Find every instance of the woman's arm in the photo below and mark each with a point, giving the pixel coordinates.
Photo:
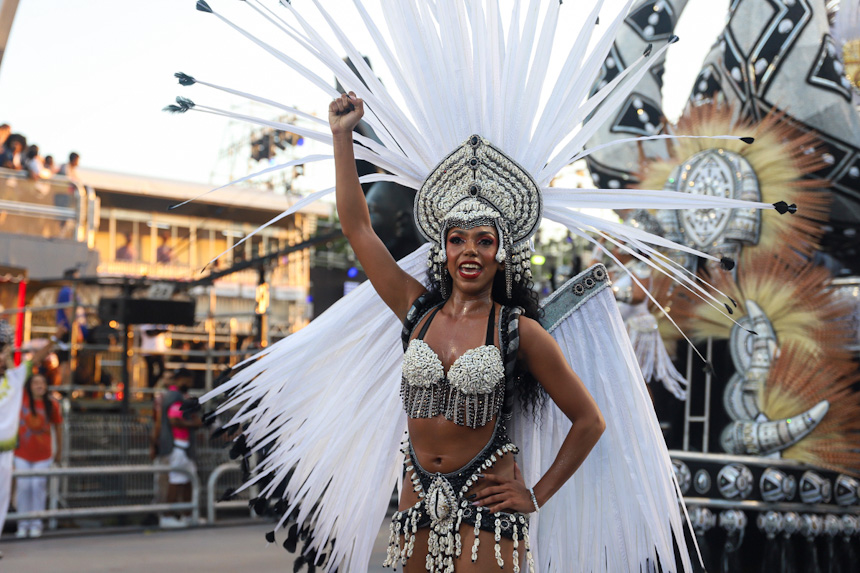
(545, 361)
(58, 428)
(395, 286)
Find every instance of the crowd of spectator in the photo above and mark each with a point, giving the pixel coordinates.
(17, 154)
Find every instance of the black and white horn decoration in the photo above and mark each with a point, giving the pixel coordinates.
(832, 528)
(765, 438)
(811, 526)
(790, 526)
(850, 525)
(683, 475)
(753, 346)
(702, 481)
(776, 485)
(734, 521)
(847, 490)
(703, 520)
(832, 525)
(735, 481)
(790, 523)
(814, 488)
(850, 528)
(770, 523)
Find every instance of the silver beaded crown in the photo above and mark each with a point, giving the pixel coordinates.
(476, 185)
(479, 170)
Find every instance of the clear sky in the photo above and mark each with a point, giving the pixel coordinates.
(93, 75)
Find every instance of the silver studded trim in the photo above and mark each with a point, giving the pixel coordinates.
(573, 294)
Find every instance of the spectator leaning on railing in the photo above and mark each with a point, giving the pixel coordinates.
(11, 156)
(70, 169)
(5, 131)
(35, 165)
(50, 166)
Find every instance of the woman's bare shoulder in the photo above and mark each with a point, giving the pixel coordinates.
(534, 339)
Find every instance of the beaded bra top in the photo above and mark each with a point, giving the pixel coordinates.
(471, 394)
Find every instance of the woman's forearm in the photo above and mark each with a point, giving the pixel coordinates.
(58, 455)
(580, 440)
(351, 205)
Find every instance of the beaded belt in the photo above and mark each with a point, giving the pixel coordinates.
(443, 508)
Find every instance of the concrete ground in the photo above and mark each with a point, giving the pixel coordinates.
(206, 549)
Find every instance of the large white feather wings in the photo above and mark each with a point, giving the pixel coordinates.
(325, 403)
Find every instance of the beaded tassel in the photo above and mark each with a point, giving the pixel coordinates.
(497, 549)
(477, 539)
(458, 542)
(515, 557)
(411, 545)
(528, 545)
(406, 537)
(394, 550)
(393, 543)
(432, 550)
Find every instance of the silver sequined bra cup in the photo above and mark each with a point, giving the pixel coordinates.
(470, 395)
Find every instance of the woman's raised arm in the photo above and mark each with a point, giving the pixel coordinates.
(395, 286)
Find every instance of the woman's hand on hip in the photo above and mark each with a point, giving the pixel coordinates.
(504, 494)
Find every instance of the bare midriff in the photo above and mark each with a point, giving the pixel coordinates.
(444, 447)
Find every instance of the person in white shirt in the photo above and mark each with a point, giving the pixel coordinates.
(11, 394)
(152, 348)
(70, 169)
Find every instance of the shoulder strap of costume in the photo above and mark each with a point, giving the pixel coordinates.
(426, 326)
(509, 338)
(419, 309)
(491, 326)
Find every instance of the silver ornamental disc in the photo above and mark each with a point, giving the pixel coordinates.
(440, 501)
(718, 173)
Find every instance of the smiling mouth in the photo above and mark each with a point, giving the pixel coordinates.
(469, 270)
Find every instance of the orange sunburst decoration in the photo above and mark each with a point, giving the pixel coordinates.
(800, 325)
(794, 385)
(797, 300)
(772, 168)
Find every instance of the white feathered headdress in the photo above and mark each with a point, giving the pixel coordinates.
(465, 69)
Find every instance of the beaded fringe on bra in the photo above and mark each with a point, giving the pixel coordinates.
(472, 410)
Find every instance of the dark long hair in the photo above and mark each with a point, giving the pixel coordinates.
(51, 408)
(531, 394)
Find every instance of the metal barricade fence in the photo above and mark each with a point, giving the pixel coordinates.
(118, 440)
(215, 484)
(121, 510)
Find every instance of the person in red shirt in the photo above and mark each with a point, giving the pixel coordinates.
(39, 415)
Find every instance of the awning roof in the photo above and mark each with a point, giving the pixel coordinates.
(178, 191)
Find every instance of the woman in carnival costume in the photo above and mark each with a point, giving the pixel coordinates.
(458, 393)
(480, 145)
